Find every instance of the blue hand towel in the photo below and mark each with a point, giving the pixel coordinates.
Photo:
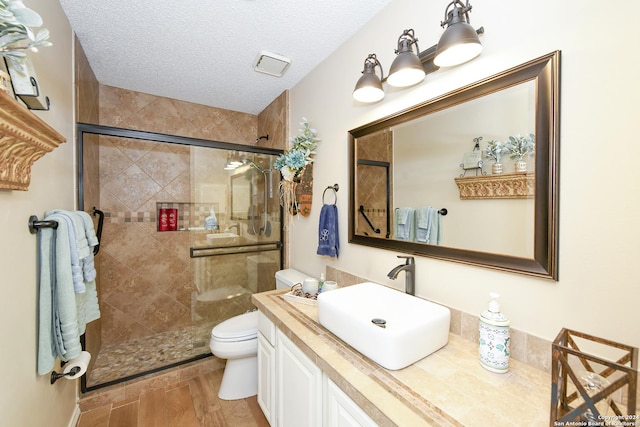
(405, 218)
(423, 223)
(328, 241)
(58, 334)
(435, 228)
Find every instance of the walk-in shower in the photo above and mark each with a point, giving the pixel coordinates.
(164, 279)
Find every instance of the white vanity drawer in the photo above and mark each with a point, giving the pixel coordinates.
(266, 328)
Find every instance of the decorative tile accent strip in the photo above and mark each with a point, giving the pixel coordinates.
(189, 214)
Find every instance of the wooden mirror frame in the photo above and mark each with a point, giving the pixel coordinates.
(545, 72)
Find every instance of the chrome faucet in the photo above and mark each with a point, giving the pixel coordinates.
(409, 267)
(234, 225)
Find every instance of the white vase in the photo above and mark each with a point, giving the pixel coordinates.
(521, 165)
(496, 168)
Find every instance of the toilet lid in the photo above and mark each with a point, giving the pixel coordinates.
(239, 328)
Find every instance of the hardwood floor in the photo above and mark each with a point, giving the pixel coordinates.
(191, 403)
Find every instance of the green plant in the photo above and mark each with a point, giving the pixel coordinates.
(293, 161)
(520, 146)
(495, 150)
(16, 35)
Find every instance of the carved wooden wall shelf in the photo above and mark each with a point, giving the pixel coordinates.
(503, 186)
(24, 138)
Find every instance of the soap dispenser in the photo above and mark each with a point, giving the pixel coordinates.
(494, 338)
(211, 222)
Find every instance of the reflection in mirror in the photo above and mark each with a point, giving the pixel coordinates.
(427, 154)
(422, 177)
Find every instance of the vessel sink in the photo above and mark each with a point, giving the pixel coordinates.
(222, 238)
(392, 328)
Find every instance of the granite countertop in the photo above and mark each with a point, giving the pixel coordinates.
(447, 388)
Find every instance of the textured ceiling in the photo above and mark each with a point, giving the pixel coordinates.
(202, 51)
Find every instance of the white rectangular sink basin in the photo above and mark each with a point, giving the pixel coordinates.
(413, 327)
(222, 238)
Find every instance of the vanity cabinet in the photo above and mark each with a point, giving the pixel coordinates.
(298, 386)
(293, 391)
(267, 368)
(340, 410)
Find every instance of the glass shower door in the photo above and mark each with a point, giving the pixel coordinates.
(164, 280)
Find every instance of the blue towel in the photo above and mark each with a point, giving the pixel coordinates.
(58, 334)
(63, 312)
(77, 246)
(435, 228)
(423, 223)
(405, 219)
(328, 241)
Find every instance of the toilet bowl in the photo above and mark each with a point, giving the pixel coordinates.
(236, 340)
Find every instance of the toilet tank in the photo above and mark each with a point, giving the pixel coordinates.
(289, 277)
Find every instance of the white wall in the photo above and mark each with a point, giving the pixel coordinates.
(27, 399)
(598, 290)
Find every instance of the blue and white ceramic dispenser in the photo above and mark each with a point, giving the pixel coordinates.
(494, 338)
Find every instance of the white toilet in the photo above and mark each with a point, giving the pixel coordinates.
(236, 340)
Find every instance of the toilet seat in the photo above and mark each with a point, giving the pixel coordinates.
(243, 327)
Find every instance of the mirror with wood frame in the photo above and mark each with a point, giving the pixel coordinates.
(423, 183)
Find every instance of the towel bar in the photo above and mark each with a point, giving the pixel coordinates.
(35, 225)
(100, 214)
(335, 189)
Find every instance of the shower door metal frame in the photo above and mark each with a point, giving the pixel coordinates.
(87, 128)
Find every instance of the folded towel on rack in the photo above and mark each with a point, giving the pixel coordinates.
(424, 219)
(90, 232)
(76, 268)
(63, 312)
(58, 334)
(404, 223)
(328, 240)
(88, 266)
(82, 240)
(435, 227)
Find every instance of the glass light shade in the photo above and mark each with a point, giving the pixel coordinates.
(406, 70)
(458, 44)
(369, 86)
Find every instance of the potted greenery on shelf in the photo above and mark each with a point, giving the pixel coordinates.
(16, 34)
(495, 151)
(519, 147)
(292, 162)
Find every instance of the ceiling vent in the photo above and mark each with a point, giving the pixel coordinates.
(271, 63)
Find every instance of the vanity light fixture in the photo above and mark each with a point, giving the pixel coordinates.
(369, 86)
(458, 44)
(406, 69)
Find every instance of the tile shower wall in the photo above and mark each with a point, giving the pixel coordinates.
(371, 182)
(145, 276)
(153, 293)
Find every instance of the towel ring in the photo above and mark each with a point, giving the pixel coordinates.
(335, 189)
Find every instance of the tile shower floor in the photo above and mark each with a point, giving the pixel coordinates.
(124, 360)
